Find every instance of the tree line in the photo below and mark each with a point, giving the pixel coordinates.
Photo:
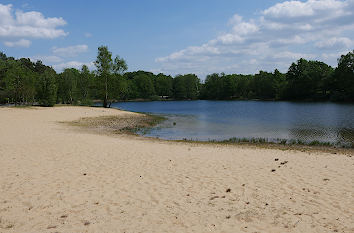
(23, 82)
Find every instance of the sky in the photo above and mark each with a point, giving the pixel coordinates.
(179, 37)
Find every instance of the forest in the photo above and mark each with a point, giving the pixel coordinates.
(24, 82)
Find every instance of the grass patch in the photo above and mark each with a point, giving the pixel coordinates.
(280, 141)
(276, 143)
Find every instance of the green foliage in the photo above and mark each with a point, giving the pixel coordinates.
(25, 82)
(307, 80)
(144, 86)
(108, 83)
(68, 92)
(47, 89)
(163, 85)
(263, 85)
(141, 84)
(343, 80)
(186, 86)
(19, 83)
(119, 66)
(84, 82)
(104, 65)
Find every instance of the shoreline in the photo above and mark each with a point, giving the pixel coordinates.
(60, 178)
(145, 121)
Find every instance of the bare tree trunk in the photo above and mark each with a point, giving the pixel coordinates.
(106, 93)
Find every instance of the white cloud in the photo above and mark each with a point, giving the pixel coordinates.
(70, 51)
(88, 35)
(47, 59)
(335, 42)
(281, 34)
(19, 43)
(295, 9)
(30, 24)
(58, 59)
(245, 28)
(292, 55)
(72, 64)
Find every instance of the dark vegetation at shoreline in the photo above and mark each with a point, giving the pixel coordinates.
(23, 82)
(283, 143)
(280, 141)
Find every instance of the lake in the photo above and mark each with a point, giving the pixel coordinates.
(220, 120)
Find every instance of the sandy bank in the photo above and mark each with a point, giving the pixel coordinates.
(54, 178)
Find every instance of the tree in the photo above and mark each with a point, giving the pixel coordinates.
(144, 85)
(19, 82)
(179, 89)
(279, 84)
(14, 81)
(105, 68)
(68, 86)
(163, 85)
(47, 89)
(3, 56)
(344, 78)
(305, 79)
(120, 87)
(263, 86)
(119, 65)
(186, 86)
(3, 67)
(192, 85)
(84, 82)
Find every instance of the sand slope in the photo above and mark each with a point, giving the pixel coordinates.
(57, 179)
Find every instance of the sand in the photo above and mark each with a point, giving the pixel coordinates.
(55, 178)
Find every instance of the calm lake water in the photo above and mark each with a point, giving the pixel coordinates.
(220, 120)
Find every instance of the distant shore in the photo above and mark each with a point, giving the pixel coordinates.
(59, 178)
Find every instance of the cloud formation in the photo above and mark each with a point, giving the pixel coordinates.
(70, 51)
(59, 57)
(24, 25)
(72, 64)
(281, 34)
(47, 59)
(19, 43)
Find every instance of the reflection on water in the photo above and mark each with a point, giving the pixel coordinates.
(219, 120)
(346, 135)
(314, 134)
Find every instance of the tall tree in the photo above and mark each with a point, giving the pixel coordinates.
(104, 65)
(105, 68)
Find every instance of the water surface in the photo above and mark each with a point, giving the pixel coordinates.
(220, 120)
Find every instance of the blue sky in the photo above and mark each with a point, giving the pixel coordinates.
(176, 37)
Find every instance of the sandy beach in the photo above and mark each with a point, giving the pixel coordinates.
(56, 178)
